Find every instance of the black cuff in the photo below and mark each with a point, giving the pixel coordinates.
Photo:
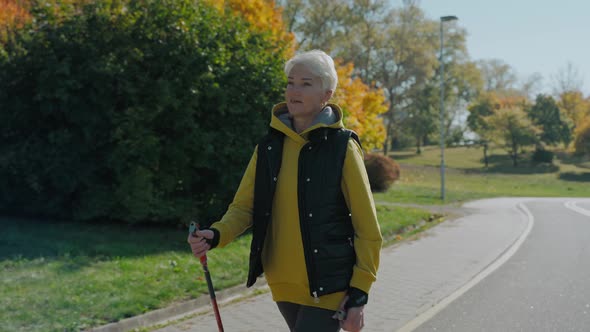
(215, 240)
(356, 298)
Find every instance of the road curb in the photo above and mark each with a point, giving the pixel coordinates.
(179, 310)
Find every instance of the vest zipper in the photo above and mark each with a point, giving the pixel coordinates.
(305, 234)
(270, 168)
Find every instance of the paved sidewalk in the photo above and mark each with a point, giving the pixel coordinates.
(413, 276)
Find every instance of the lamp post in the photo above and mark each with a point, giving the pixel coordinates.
(442, 108)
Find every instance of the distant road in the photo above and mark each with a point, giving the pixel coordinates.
(545, 286)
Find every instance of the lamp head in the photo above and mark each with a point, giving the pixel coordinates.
(448, 18)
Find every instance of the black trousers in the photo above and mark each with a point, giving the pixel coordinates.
(302, 318)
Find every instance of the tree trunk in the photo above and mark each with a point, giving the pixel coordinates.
(485, 154)
(389, 131)
(514, 155)
(388, 138)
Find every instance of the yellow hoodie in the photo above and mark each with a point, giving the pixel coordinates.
(282, 256)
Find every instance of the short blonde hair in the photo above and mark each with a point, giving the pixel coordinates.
(319, 63)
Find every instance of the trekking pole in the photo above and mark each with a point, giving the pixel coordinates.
(193, 228)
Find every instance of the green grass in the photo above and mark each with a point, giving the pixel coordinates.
(394, 219)
(67, 277)
(466, 179)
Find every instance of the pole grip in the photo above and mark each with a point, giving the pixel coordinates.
(194, 226)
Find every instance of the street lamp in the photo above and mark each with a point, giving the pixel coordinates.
(442, 107)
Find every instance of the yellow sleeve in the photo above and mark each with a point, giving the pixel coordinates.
(358, 196)
(238, 216)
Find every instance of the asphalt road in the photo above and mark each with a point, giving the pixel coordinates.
(544, 286)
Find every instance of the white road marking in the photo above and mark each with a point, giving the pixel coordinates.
(572, 206)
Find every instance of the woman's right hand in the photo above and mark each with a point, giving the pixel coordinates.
(198, 242)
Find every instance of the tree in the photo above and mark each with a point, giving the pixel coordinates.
(363, 24)
(362, 106)
(422, 116)
(265, 17)
(567, 79)
(404, 63)
(350, 30)
(13, 15)
(582, 140)
(512, 128)
(132, 110)
(484, 107)
(498, 76)
(574, 106)
(546, 115)
(292, 12)
(316, 23)
(531, 85)
(463, 83)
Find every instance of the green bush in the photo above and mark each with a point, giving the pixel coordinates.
(382, 171)
(543, 156)
(131, 110)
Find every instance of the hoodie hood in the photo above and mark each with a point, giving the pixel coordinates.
(330, 116)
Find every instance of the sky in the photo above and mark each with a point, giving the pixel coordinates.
(532, 36)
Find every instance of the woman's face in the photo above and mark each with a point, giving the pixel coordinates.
(305, 95)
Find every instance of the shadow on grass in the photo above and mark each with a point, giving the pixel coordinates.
(570, 159)
(403, 156)
(523, 168)
(84, 243)
(502, 164)
(576, 177)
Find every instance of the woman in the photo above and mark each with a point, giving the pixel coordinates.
(306, 195)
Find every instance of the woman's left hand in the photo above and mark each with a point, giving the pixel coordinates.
(354, 320)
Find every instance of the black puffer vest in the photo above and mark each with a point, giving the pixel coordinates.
(325, 220)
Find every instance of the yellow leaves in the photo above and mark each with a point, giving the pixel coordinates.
(13, 14)
(574, 106)
(582, 137)
(506, 102)
(362, 106)
(264, 16)
(502, 100)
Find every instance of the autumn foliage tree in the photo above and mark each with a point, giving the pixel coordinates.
(574, 106)
(576, 110)
(483, 107)
(13, 15)
(494, 117)
(582, 138)
(265, 17)
(512, 128)
(362, 106)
